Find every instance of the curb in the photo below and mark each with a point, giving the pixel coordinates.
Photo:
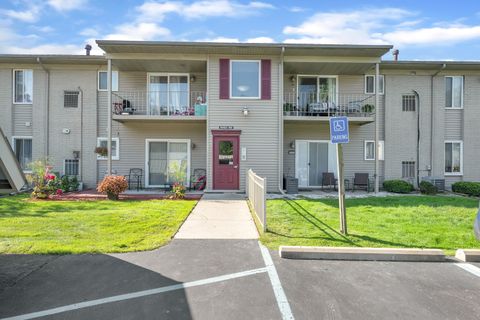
(361, 254)
(468, 255)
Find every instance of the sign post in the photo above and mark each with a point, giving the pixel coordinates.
(338, 136)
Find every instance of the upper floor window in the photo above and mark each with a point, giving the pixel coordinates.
(454, 92)
(23, 86)
(102, 80)
(453, 157)
(370, 84)
(22, 147)
(245, 79)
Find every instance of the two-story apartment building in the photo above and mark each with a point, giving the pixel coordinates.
(176, 107)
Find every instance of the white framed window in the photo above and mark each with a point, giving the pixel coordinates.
(369, 150)
(168, 93)
(102, 142)
(454, 157)
(23, 86)
(22, 147)
(71, 167)
(454, 92)
(370, 84)
(245, 79)
(102, 80)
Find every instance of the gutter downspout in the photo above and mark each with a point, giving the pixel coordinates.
(377, 134)
(432, 114)
(417, 97)
(280, 122)
(109, 117)
(47, 106)
(81, 133)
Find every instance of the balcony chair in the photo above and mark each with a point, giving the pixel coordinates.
(361, 180)
(328, 179)
(135, 176)
(198, 180)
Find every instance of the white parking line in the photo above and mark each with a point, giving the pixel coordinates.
(137, 294)
(282, 300)
(470, 268)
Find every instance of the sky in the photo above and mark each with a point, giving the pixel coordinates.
(421, 29)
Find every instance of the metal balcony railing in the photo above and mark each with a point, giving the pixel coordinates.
(307, 104)
(160, 103)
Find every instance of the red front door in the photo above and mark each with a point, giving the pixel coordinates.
(225, 162)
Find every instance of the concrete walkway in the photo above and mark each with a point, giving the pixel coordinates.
(219, 216)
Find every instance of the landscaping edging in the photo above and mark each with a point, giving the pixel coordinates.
(365, 254)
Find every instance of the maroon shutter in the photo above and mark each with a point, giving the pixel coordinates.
(266, 79)
(224, 79)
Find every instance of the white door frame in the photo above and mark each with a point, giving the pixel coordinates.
(330, 148)
(147, 158)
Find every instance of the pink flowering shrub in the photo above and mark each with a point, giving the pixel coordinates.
(112, 186)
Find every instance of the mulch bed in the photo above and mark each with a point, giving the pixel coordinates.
(94, 195)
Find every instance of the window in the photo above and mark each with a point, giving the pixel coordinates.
(102, 80)
(102, 142)
(225, 154)
(22, 147)
(370, 150)
(408, 102)
(454, 92)
(370, 84)
(168, 93)
(453, 157)
(245, 79)
(71, 167)
(70, 99)
(408, 169)
(168, 161)
(23, 86)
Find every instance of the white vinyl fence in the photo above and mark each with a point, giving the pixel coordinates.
(257, 196)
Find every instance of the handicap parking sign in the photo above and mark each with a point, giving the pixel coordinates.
(339, 130)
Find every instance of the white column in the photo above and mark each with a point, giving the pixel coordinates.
(109, 117)
(377, 133)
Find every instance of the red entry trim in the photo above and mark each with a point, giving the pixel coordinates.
(266, 79)
(224, 78)
(226, 132)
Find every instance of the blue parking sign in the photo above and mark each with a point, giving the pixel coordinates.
(339, 130)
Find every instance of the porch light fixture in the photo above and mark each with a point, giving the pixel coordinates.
(193, 146)
(245, 111)
(292, 79)
(193, 78)
(292, 145)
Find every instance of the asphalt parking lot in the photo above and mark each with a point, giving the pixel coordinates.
(218, 279)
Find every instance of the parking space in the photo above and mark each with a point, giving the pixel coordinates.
(378, 290)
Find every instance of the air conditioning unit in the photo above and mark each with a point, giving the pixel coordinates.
(438, 182)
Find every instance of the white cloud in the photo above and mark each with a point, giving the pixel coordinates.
(260, 40)
(46, 49)
(138, 31)
(156, 11)
(89, 32)
(31, 14)
(379, 26)
(296, 9)
(67, 5)
(219, 39)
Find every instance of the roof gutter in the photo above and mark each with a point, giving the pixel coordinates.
(47, 106)
(432, 115)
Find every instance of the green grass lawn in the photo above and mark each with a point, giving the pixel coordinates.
(88, 226)
(404, 221)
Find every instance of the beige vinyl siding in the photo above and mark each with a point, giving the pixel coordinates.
(471, 128)
(6, 107)
(21, 115)
(453, 124)
(260, 129)
(132, 136)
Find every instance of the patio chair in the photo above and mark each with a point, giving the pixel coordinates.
(135, 176)
(328, 179)
(198, 180)
(361, 180)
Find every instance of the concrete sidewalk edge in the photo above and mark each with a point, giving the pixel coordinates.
(365, 254)
(468, 255)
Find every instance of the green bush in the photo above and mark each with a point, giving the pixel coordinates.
(428, 188)
(397, 186)
(468, 188)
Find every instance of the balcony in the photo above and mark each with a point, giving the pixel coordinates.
(159, 105)
(310, 106)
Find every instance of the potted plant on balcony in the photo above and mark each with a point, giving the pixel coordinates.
(101, 151)
(368, 108)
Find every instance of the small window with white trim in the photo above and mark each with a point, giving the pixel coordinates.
(22, 147)
(409, 102)
(102, 80)
(454, 92)
(453, 157)
(102, 143)
(71, 167)
(23, 86)
(370, 84)
(245, 79)
(369, 150)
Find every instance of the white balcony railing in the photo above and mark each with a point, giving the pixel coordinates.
(312, 105)
(159, 103)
